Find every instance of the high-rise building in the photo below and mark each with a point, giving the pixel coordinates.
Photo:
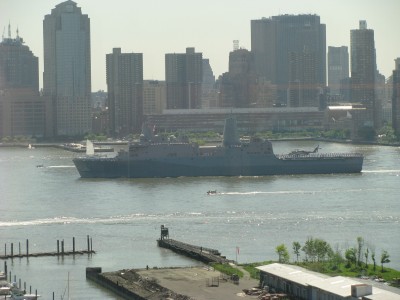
(275, 39)
(22, 112)
(396, 98)
(209, 93)
(67, 70)
(237, 87)
(338, 68)
(183, 77)
(363, 68)
(302, 90)
(125, 91)
(154, 97)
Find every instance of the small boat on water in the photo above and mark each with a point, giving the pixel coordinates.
(211, 192)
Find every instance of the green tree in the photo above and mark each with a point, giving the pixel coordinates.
(350, 256)
(366, 254)
(387, 134)
(360, 243)
(309, 250)
(335, 258)
(322, 249)
(316, 250)
(373, 259)
(296, 249)
(385, 258)
(283, 253)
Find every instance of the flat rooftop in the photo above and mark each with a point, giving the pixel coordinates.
(199, 283)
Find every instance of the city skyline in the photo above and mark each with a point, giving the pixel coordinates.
(157, 28)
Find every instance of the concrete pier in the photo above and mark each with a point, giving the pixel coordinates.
(128, 284)
(200, 253)
(205, 255)
(200, 283)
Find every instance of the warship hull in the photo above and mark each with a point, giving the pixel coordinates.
(229, 165)
(155, 157)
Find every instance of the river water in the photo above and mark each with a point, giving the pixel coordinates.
(123, 216)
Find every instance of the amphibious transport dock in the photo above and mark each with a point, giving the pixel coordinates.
(154, 156)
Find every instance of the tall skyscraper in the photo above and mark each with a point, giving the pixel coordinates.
(302, 90)
(237, 87)
(338, 68)
(125, 91)
(396, 98)
(67, 71)
(274, 40)
(363, 68)
(21, 109)
(184, 76)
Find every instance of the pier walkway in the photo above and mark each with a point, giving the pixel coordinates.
(205, 255)
(199, 253)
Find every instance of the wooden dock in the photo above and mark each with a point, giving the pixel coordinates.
(80, 252)
(59, 252)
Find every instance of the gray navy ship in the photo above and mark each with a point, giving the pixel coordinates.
(153, 156)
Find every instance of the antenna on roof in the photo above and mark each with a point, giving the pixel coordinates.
(9, 30)
(235, 45)
(18, 39)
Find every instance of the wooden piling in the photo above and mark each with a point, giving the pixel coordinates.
(59, 252)
(88, 246)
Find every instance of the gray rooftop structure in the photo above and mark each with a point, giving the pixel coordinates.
(305, 284)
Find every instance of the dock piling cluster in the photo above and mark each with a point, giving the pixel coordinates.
(59, 252)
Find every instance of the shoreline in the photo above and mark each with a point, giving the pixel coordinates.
(102, 143)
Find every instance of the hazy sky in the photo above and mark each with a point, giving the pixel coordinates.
(156, 27)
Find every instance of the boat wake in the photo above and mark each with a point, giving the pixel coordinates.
(381, 171)
(298, 192)
(72, 220)
(67, 166)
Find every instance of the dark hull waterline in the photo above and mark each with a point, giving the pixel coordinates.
(94, 167)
